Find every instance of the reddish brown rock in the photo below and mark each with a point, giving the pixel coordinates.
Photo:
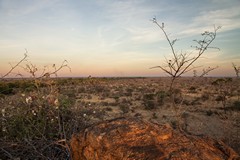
(135, 139)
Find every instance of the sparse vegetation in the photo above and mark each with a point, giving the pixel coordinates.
(224, 87)
(161, 96)
(235, 106)
(124, 108)
(205, 96)
(27, 125)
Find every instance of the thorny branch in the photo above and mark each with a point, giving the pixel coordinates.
(33, 69)
(64, 64)
(15, 66)
(205, 71)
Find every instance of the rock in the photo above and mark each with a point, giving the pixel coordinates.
(135, 139)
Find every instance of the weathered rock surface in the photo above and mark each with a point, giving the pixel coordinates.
(135, 139)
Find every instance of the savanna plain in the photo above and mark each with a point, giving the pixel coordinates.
(39, 116)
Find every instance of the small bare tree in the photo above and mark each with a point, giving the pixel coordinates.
(236, 69)
(182, 62)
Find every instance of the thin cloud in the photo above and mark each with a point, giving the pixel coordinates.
(228, 18)
(23, 8)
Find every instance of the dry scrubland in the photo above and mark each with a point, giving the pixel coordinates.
(39, 117)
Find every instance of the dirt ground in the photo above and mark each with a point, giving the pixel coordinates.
(199, 106)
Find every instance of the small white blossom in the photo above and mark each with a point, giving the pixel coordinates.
(84, 115)
(23, 95)
(3, 112)
(4, 129)
(56, 103)
(94, 112)
(34, 113)
(29, 100)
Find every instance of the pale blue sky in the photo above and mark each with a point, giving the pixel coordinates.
(115, 37)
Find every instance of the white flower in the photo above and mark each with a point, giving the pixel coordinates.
(84, 115)
(3, 112)
(4, 129)
(56, 103)
(94, 112)
(23, 94)
(29, 100)
(34, 113)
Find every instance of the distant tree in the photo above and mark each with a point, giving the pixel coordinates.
(182, 62)
(236, 69)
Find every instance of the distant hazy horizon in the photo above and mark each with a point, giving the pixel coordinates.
(116, 38)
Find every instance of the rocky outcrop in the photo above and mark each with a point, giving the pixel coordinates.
(135, 139)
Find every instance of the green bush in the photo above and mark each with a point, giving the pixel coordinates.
(161, 95)
(148, 96)
(236, 106)
(150, 104)
(205, 96)
(5, 88)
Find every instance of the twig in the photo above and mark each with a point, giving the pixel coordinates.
(15, 66)
(206, 71)
(8, 154)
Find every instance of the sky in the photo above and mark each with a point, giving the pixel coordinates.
(116, 37)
